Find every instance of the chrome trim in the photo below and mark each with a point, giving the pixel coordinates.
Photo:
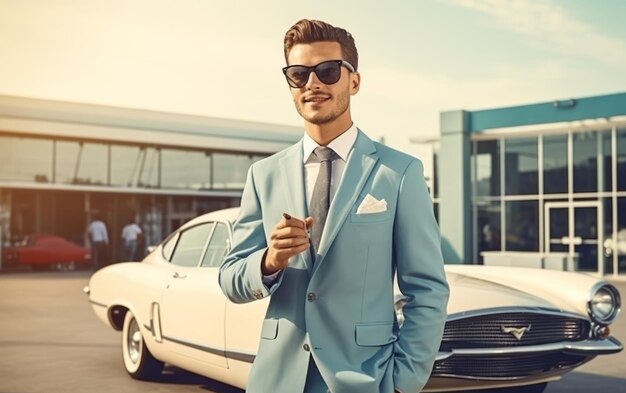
(547, 374)
(503, 310)
(241, 356)
(213, 351)
(616, 305)
(235, 355)
(95, 303)
(586, 347)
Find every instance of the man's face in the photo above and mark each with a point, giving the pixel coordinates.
(317, 102)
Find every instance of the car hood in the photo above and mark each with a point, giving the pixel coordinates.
(474, 287)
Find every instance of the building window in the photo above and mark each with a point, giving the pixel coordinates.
(605, 161)
(621, 159)
(81, 163)
(522, 226)
(620, 244)
(134, 166)
(25, 159)
(486, 162)
(185, 169)
(521, 165)
(231, 170)
(555, 172)
(607, 232)
(488, 232)
(585, 161)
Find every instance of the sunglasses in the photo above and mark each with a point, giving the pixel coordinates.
(328, 72)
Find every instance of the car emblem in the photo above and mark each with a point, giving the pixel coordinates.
(518, 333)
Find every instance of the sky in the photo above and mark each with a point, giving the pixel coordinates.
(223, 59)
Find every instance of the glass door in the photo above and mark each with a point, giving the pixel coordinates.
(572, 233)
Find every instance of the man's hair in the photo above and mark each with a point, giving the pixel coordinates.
(307, 31)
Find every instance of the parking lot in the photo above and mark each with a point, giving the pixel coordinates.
(51, 341)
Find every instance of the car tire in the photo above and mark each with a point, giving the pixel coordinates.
(138, 361)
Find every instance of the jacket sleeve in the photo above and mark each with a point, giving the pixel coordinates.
(240, 275)
(421, 279)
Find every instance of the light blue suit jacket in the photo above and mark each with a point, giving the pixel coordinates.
(340, 306)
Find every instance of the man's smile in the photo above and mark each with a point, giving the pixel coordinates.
(317, 99)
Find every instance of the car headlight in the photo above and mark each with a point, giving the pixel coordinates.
(604, 303)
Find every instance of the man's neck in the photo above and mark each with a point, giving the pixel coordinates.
(323, 134)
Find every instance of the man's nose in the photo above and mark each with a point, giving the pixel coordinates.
(313, 82)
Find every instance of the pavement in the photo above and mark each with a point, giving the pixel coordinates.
(52, 342)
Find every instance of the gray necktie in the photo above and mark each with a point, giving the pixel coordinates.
(320, 200)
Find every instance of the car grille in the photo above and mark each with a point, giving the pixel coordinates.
(487, 331)
(507, 366)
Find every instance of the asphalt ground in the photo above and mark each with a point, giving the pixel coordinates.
(52, 342)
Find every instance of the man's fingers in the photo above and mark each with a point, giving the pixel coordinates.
(289, 242)
(286, 253)
(288, 232)
(290, 221)
(309, 221)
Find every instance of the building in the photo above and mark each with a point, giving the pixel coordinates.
(63, 163)
(540, 185)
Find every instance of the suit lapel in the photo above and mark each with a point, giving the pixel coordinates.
(292, 182)
(358, 168)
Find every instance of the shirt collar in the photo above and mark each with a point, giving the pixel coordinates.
(341, 145)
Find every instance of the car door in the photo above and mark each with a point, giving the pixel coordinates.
(192, 305)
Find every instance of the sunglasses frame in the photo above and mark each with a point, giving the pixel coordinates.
(293, 84)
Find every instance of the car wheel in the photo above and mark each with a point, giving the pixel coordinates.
(69, 266)
(138, 361)
(538, 388)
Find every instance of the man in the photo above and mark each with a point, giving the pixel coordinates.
(331, 325)
(131, 236)
(98, 237)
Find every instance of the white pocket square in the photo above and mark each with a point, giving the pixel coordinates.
(371, 205)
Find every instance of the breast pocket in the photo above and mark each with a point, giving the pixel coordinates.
(370, 217)
(378, 216)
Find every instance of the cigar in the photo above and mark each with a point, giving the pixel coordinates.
(289, 217)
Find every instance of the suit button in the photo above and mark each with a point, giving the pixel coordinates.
(306, 347)
(311, 297)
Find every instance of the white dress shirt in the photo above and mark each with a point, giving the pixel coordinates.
(131, 232)
(342, 145)
(98, 231)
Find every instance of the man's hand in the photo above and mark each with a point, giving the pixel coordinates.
(289, 238)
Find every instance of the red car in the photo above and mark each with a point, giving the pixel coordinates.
(47, 251)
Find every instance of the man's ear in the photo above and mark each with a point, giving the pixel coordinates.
(355, 83)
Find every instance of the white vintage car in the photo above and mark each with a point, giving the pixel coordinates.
(508, 328)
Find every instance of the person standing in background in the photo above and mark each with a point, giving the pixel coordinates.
(98, 237)
(131, 236)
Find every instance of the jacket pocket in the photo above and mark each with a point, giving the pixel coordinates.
(269, 330)
(371, 217)
(374, 334)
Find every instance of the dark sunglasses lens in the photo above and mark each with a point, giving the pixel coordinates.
(298, 75)
(328, 72)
